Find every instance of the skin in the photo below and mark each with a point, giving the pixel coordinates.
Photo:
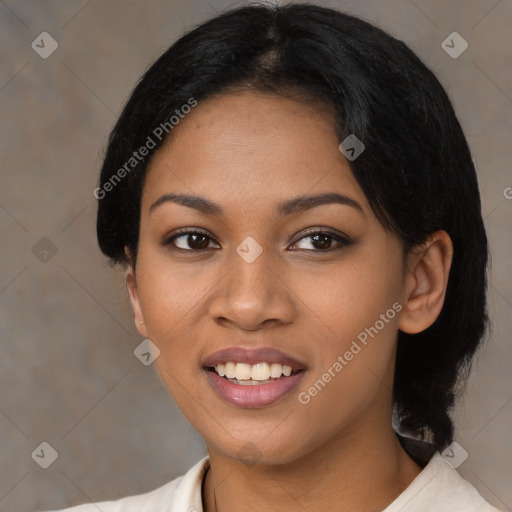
(248, 152)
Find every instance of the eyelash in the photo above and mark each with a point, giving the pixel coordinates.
(342, 240)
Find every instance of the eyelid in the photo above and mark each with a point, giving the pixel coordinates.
(342, 239)
(324, 231)
(185, 231)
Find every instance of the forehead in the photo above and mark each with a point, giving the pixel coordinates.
(251, 147)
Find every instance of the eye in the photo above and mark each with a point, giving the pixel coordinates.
(189, 240)
(194, 240)
(320, 241)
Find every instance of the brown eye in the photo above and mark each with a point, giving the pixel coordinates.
(189, 240)
(321, 241)
(197, 241)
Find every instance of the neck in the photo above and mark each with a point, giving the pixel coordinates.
(364, 471)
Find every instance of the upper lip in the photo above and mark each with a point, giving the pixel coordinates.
(252, 356)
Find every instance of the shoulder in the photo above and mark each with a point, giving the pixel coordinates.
(180, 494)
(439, 487)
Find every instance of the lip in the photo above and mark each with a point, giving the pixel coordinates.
(257, 396)
(252, 396)
(252, 356)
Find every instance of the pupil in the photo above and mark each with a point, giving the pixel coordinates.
(326, 240)
(200, 245)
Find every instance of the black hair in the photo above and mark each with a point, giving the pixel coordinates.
(416, 170)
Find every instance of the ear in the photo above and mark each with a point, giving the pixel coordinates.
(426, 280)
(131, 289)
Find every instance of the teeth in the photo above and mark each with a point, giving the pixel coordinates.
(221, 369)
(230, 370)
(243, 371)
(259, 371)
(276, 370)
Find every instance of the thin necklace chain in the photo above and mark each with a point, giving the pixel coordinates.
(214, 497)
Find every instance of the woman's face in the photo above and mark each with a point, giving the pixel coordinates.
(261, 276)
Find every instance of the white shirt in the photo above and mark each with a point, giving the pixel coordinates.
(438, 488)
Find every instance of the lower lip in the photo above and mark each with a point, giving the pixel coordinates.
(253, 396)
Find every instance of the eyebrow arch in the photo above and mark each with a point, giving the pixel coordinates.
(294, 205)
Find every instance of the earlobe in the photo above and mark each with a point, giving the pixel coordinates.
(426, 282)
(131, 290)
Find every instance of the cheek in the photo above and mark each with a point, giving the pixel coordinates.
(169, 292)
(353, 371)
(350, 297)
(169, 300)
(354, 337)
(170, 303)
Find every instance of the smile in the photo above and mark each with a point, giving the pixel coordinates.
(256, 373)
(252, 377)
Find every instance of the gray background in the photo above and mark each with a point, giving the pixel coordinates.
(68, 375)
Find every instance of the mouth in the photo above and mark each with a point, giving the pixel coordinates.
(252, 378)
(245, 374)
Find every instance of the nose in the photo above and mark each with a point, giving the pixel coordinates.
(252, 295)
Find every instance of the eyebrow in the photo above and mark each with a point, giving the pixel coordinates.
(294, 205)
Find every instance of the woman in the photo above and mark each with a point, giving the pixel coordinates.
(298, 213)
